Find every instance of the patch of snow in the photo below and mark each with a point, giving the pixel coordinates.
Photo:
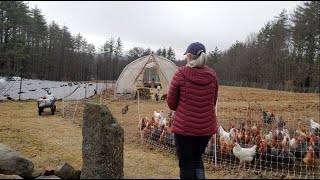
(34, 89)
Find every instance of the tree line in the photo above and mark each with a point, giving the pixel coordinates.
(49, 50)
(285, 50)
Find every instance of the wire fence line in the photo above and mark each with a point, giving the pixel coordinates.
(287, 141)
(275, 153)
(272, 86)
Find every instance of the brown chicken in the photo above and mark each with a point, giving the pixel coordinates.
(164, 131)
(273, 142)
(262, 148)
(143, 124)
(311, 159)
(147, 131)
(247, 137)
(240, 136)
(301, 127)
(226, 147)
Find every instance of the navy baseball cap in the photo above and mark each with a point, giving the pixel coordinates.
(195, 48)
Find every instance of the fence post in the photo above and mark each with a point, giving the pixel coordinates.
(62, 109)
(85, 92)
(139, 116)
(215, 150)
(100, 96)
(74, 114)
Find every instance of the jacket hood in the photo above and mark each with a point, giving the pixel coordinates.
(198, 75)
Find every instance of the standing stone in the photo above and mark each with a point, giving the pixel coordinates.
(102, 144)
(13, 163)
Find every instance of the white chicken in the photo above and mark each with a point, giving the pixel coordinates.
(245, 155)
(163, 121)
(223, 134)
(158, 116)
(314, 125)
(292, 143)
(269, 136)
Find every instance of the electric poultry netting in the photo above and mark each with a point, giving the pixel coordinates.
(255, 138)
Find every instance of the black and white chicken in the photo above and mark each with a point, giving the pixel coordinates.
(268, 117)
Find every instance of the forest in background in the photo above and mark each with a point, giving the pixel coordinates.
(285, 51)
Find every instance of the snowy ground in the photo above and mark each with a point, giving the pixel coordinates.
(34, 89)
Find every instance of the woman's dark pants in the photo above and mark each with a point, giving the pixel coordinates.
(189, 152)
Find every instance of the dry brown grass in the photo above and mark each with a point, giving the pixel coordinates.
(49, 140)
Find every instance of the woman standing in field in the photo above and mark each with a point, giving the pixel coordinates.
(193, 95)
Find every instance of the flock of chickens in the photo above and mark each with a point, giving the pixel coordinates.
(245, 142)
(279, 146)
(158, 128)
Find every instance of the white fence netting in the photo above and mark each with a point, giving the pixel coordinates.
(285, 141)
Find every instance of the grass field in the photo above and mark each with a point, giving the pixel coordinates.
(49, 140)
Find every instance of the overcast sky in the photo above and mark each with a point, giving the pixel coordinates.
(163, 24)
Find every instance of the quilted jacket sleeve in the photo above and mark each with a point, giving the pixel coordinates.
(174, 91)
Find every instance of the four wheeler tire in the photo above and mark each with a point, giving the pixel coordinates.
(52, 110)
(40, 110)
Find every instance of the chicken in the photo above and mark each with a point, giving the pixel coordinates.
(301, 128)
(314, 124)
(241, 135)
(316, 131)
(226, 147)
(285, 157)
(158, 116)
(269, 136)
(272, 154)
(223, 134)
(142, 123)
(301, 149)
(171, 114)
(168, 139)
(268, 117)
(280, 122)
(163, 121)
(147, 131)
(315, 142)
(233, 133)
(245, 155)
(247, 137)
(152, 122)
(285, 132)
(292, 143)
(283, 143)
(156, 133)
(156, 97)
(301, 134)
(273, 143)
(314, 139)
(254, 129)
(164, 131)
(311, 159)
(125, 110)
(262, 148)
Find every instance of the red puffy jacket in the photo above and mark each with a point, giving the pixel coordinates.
(193, 94)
